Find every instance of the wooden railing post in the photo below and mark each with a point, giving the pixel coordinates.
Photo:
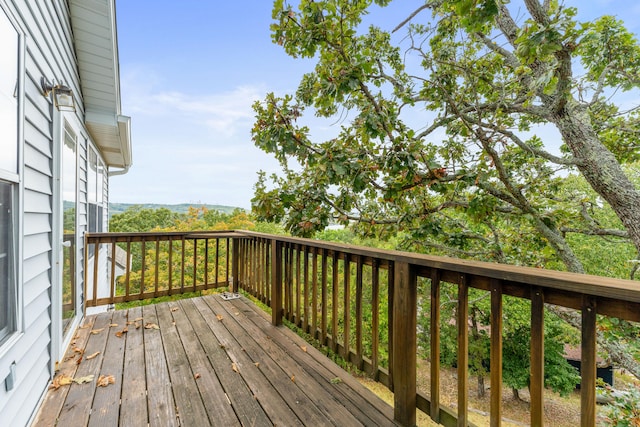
(404, 343)
(235, 265)
(588, 363)
(536, 387)
(276, 282)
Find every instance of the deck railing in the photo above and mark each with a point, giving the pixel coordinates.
(335, 293)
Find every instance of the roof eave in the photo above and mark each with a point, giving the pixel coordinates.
(96, 45)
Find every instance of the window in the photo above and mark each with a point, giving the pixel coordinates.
(7, 275)
(8, 175)
(95, 183)
(69, 181)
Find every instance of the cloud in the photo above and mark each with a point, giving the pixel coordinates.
(189, 146)
(225, 112)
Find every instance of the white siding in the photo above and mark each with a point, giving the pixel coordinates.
(48, 52)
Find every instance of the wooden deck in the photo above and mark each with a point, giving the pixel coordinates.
(203, 361)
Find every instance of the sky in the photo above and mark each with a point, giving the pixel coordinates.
(190, 71)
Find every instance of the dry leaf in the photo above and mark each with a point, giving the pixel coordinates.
(79, 360)
(196, 376)
(78, 350)
(96, 331)
(105, 380)
(83, 380)
(137, 325)
(83, 326)
(293, 378)
(219, 317)
(236, 313)
(151, 326)
(92, 356)
(137, 319)
(304, 348)
(60, 380)
(113, 325)
(174, 308)
(257, 364)
(234, 367)
(119, 334)
(130, 322)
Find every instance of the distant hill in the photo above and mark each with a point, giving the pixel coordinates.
(116, 208)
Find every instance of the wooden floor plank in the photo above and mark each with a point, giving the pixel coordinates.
(133, 407)
(161, 406)
(189, 406)
(77, 407)
(252, 399)
(370, 408)
(218, 407)
(312, 402)
(204, 361)
(106, 402)
(55, 399)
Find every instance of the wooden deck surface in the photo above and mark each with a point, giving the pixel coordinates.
(203, 361)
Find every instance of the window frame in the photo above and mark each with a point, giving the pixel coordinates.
(96, 206)
(14, 178)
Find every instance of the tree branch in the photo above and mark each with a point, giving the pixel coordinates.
(410, 17)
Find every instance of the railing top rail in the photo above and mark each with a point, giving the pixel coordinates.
(621, 289)
(189, 234)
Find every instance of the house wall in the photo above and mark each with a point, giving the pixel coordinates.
(47, 52)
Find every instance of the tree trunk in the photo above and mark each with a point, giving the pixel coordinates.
(481, 387)
(516, 394)
(560, 245)
(600, 167)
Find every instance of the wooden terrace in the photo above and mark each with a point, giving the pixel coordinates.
(208, 361)
(204, 361)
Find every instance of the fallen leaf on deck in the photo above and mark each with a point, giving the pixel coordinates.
(237, 313)
(234, 367)
(105, 380)
(119, 334)
(293, 378)
(113, 325)
(137, 325)
(60, 380)
(219, 317)
(137, 319)
(336, 380)
(78, 350)
(83, 327)
(304, 348)
(174, 308)
(96, 331)
(79, 360)
(257, 364)
(196, 376)
(83, 380)
(92, 356)
(130, 322)
(151, 326)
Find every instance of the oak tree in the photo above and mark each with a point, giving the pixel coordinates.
(448, 137)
